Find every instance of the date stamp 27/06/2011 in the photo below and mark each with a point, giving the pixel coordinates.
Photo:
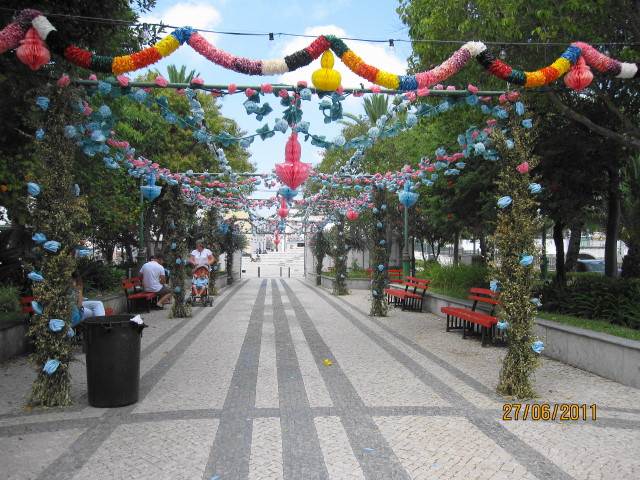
(549, 412)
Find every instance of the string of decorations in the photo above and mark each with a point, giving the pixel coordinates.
(30, 29)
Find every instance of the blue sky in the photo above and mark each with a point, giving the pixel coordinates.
(350, 18)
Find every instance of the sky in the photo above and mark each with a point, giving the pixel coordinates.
(344, 18)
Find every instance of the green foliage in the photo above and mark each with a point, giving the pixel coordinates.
(178, 215)
(379, 256)
(9, 301)
(594, 296)
(631, 218)
(595, 325)
(455, 280)
(61, 216)
(516, 228)
(99, 276)
(339, 255)
(179, 76)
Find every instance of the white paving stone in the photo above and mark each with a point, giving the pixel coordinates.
(267, 384)
(447, 448)
(26, 456)
(176, 450)
(266, 450)
(338, 456)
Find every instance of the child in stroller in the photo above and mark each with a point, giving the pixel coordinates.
(200, 286)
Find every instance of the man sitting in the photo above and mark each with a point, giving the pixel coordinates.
(154, 280)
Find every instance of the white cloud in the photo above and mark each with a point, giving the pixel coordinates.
(373, 54)
(190, 14)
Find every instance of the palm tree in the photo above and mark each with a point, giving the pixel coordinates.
(374, 107)
(179, 76)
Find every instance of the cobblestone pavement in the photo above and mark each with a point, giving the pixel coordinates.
(243, 390)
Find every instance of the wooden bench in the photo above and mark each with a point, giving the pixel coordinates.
(134, 292)
(466, 319)
(25, 303)
(412, 296)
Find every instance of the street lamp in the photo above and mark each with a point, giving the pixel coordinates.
(408, 199)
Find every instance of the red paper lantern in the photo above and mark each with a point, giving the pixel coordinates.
(352, 215)
(293, 172)
(283, 211)
(32, 50)
(579, 77)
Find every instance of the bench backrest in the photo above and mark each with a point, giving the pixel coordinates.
(483, 295)
(131, 284)
(25, 303)
(417, 284)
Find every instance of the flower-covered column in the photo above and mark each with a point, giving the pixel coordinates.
(379, 256)
(513, 271)
(58, 215)
(178, 253)
(320, 251)
(211, 237)
(340, 259)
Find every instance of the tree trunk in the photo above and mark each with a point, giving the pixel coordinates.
(613, 224)
(129, 250)
(422, 250)
(108, 252)
(573, 249)
(456, 249)
(544, 261)
(413, 257)
(558, 239)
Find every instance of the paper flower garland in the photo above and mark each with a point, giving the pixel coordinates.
(573, 61)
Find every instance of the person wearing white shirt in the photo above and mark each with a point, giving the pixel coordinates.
(154, 279)
(201, 256)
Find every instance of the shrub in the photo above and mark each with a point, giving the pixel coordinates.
(9, 301)
(455, 280)
(99, 276)
(615, 300)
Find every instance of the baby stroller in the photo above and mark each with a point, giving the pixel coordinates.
(200, 287)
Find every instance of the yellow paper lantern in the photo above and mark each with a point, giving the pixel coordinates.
(326, 78)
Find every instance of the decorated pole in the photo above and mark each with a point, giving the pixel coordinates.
(379, 255)
(408, 199)
(340, 258)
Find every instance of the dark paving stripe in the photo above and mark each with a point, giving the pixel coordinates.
(301, 452)
(72, 460)
(361, 430)
(536, 463)
(231, 450)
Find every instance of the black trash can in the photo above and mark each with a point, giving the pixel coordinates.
(112, 347)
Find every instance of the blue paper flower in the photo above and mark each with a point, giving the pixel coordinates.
(281, 125)
(71, 332)
(178, 261)
(382, 242)
(51, 366)
(37, 307)
(495, 286)
(177, 289)
(83, 252)
(527, 123)
(173, 245)
(305, 94)
(520, 108)
(76, 316)
(39, 238)
(339, 141)
(510, 144)
(43, 103)
(55, 324)
(35, 277)
(502, 325)
(411, 120)
(51, 246)
(381, 268)
(504, 202)
(76, 189)
(535, 188)
(373, 132)
(526, 260)
(379, 225)
(383, 206)
(104, 111)
(374, 292)
(70, 131)
(98, 136)
(536, 301)
(104, 87)
(537, 346)
(39, 134)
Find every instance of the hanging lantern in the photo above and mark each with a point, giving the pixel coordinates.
(352, 215)
(32, 51)
(579, 77)
(293, 172)
(407, 198)
(151, 191)
(283, 211)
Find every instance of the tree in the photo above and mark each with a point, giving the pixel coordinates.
(631, 218)
(179, 76)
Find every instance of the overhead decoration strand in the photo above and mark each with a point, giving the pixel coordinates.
(574, 62)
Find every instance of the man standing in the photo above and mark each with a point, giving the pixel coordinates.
(201, 256)
(154, 280)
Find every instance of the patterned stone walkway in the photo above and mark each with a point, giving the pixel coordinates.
(242, 391)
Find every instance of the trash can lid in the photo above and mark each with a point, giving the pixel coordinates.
(110, 320)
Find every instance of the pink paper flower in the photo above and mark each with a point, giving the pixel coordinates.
(302, 84)
(513, 96)
(64, 80)
(375, 89)
(340, 90)
(266, 88)
(123, 80)
(250, 92)
(93, 77)
(472, 88)
(161, 81)
(451, 87)
(523, 168)
(411, 96)
(502, 98)
(423, 92)
(232, 88)
(197, 81)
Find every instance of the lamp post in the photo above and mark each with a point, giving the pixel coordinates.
(408, 199)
